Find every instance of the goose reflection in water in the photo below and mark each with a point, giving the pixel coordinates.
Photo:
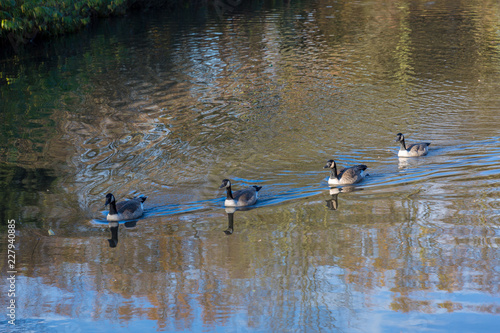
(230, 217)
(113, 227)
(230, 220)
(333, 203)
(409, 162)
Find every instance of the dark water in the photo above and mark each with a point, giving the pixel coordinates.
(168, 104)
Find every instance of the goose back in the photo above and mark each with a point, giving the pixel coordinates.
(247, 196)
(416, 149)
(350, 175)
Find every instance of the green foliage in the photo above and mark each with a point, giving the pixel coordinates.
(23, 20)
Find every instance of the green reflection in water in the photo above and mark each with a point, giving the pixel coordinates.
(21, 192)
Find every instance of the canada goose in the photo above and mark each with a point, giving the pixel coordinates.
(240, 198)
(124, 210)
(416, 149)
(345, 176)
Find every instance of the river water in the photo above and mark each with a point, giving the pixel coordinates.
(167, 104)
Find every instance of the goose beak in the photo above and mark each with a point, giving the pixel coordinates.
(222, 186)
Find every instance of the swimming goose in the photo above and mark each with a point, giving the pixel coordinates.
(124, 210)
(416, 149)
(240, 198)
(345, 176)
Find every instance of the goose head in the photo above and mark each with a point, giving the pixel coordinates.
(400, 137)
(109, 199)
(225, 183)
(330, 165)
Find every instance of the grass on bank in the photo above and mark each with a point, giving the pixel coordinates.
(24, 20)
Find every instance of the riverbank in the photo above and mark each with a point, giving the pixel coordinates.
(25, 22)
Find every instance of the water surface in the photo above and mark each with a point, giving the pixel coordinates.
(168, 104)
